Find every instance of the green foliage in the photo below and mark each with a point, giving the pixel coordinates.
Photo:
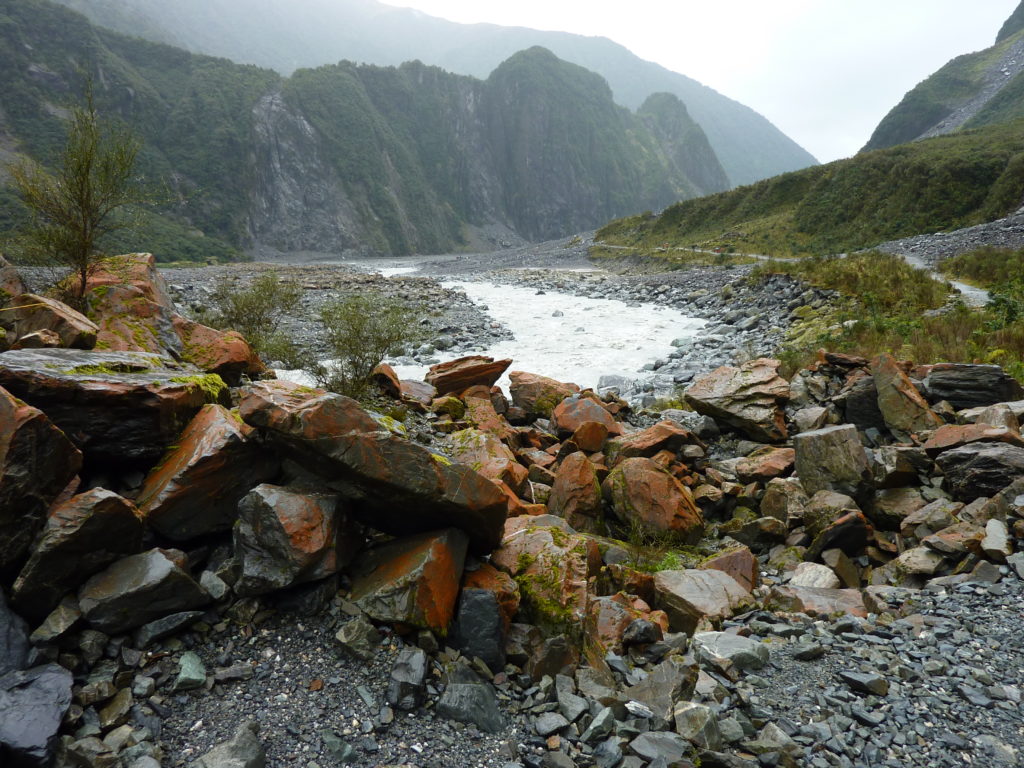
(985, 267)
(362, 329)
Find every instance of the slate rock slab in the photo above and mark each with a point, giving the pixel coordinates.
(32, 705)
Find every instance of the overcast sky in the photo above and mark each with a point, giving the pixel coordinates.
(824, 71)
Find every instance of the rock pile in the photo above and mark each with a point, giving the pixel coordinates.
(553, 585)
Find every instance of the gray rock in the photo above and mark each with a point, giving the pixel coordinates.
(14, 645)
(32, 705)
(607, 754)
(725, 650)
(469, 699)
(569, 704)
(478, 629)
(338, 748)
(833, 459)
(406, 687)
(971, 386)
(660, 744)
(360, 638)
(672, 680)
(865, 682)
(243, 750)
(191, 672)
(698, 724)
(157, 630)
(980, 469)
(600, 727)
(549, 723)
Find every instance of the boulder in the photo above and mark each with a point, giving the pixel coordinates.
(955, 435)
(479, 629)
(784, 499)
(980, 469)
(32, 705)
(671, 681)
(138, 270)
(468, 699)
(698, 724)
(893, 505)
(748, 398)
(119, 407)
(225, 353)
(816, 601)
(644, 494)
(138, 589)
(196, 488)
(412, 581)
(728, 653)
(480, 411)
(130, 322)
(487, 455)
(407, 684)
(37, 461)
(31, 313)
(590, 437)
(814, 575)
(833, 459)
(298, 412)
(386, 380)
(243, 750)
(14, 642)
(609, 617)
(850, 533)
(81, 537)
(765, 464)
(904, 408)
(663, 436)
(576, 493)
(824, 508)
(930, 518)
(537, 395)
(465, 372)
(11, 284)
(43, 339)
(970, 386)
(504, 588)
(285, 537)
(576, 410)
(859, 401)
(692, 597)
(900, 465)
(740, 563)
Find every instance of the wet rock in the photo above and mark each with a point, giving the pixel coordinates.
(360, 638)
(479, 630)
(691, 596)
(468, 699)
(123, 408)
(37, 462)
(31, 313)
(465, 372)
(664, 745)
(859, 402)
(11, 284)
(644, 494)
(765, 464)
(300, 413)
(698, 725)
(970, 386)
(575, 411)
(815, 601)
(748, 398)
(850, 533)
(980, 469)
(243, 750)
(955, 435)
(14, 643)
(285, 537)
(195, 490)
(37, 340)
(32, 703)
(225, 353)
(576, 493)
(80, 538)
(487, 578)
(537, 395)
(406, 686)
(670, 681)
(739, 562)
(663, 436)
(138, 270)
(489, 456)
(590, 437)
(191, 673)
(833, 459)
(904, 408)
(136, 590)
(128, 321)
(412, 581)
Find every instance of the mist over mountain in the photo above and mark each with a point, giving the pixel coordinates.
(310, 33)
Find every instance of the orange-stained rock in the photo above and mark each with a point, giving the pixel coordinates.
(387, 381)
(130, 322)
(44, 339)
(518, 507)
(663, 436)
(499, 584)
(480, 411)
(902, 406)
(817, 601)
(570, 414)
(576, 494)
(37, 461)
(465, 372)
(30, 313)
(137, 270)
(631, 581)
(590, 436)
(225, 353)
(196, 488)
(641, 492)
(765, 464)
(285, 536)
(956, 539)
(412, 581)
(954, 435)
(850, 533)
(302, 413)
(81, 537)
(748, 398)
(551, 567)
(738, 562)
(11, 284)
(694, 598)
(486, 454)
(418, 393)
(537, 395)
(535, 456)
(608, 618)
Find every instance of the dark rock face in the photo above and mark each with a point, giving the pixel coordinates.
(861, 403)
(37, 461)
(469, 699)
(971, 386)
(14, 645)
(478, 629)
(32, 705)
(980, 469)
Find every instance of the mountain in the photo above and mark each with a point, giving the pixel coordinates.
(977, 89)
(310, 33)
(385, 159)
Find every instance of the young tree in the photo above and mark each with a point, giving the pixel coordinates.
(78, 203)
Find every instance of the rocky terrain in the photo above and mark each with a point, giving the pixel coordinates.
(204, 566)
(1007, 232)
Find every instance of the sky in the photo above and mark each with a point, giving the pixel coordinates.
(823, 71)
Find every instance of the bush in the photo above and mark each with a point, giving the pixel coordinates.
(362, 329)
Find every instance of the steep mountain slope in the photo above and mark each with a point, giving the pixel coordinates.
(392, 160)
(976, 89)
(310, 33)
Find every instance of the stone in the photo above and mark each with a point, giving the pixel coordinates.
(412, 581)
(123, 408)
(37, 461)
(666, 435)
(480, 411)
(479, 629)
(129, 321)
(784, 499)
(980, 469)
(772, 740)
(815, 601)
(740, 563)
(726, 652)
(576, 493)
(537, 395)
(382, 475)
(698, 724)
(644, 494)
(674, 679)
(918, 561)
(549, 723)
(765, 464)
(285, 537)
(1000, 415)
(664, 745)
(553, 656)
(386, 380)
(138, 270)
(833, 459)
(702, 426)
(43, 339)
(957, 539)
(748, 398)
(930, 518)
(14, 640)
(904, 408)
(997, 545)
(970, 386)
(81, 537)
(859, 401)
(576, 410)
(137, 589)
(893, 505)
(11, 283)
(191, 673)
(504, 588)
(468, 699)
(569, 704)
(850, 533)
(814, 575)
(899, 466)
(843, 567)
(243, 750)
(360, 638)
(31, 313)
(608, 618)
(164, 627)
(225, 353)
(59, 623)
(825, 508)
(489, 456)
(807, 419)
(33, 704)
(865, 682)
(407, 685)
(692, 596)
(590, 437)
(465, 372)
(955, 435)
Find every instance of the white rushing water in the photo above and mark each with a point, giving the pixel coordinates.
(591, 338)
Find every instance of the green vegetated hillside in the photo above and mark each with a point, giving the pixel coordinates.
(382, 159)
(310, 33)
(926, 186)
